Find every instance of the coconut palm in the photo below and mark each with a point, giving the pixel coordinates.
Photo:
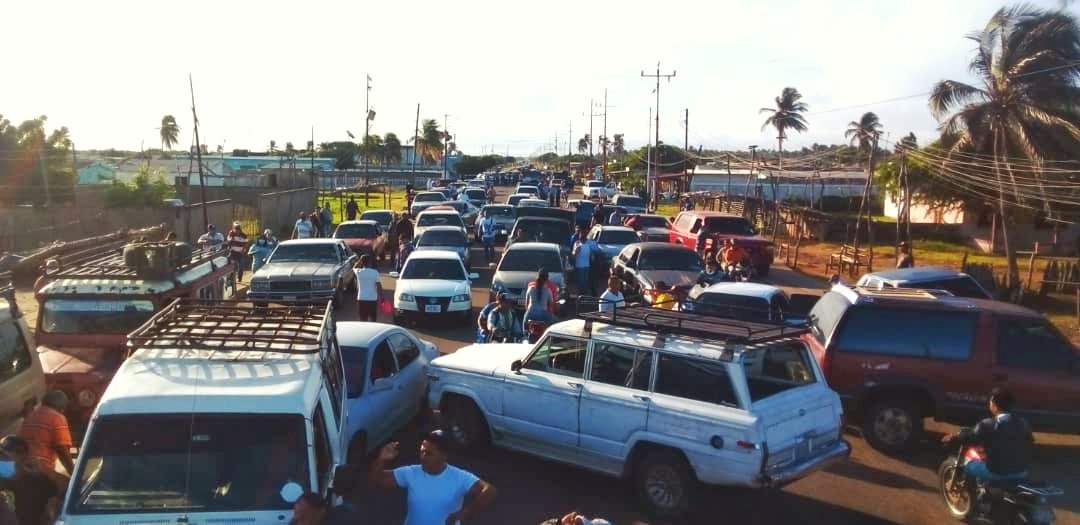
(169, 131)
(864, 134)
(583, 144)
(787, 115)
(618, 145)
(429, 144)
(1024, 104)
(371, 148)
(391, 148)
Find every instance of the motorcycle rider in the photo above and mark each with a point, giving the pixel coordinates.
(732, 256)
(500, 322)
(1005, 436)
(711, 274)
(539, 301)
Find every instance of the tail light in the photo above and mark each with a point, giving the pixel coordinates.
(975, 454)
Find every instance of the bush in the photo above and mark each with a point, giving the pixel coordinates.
(147, 189)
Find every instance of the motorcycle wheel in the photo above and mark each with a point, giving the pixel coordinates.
(959, 496)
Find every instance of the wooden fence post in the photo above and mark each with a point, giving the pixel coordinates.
(798, 239)
(1031, 265)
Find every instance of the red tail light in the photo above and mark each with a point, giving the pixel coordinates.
(975, 454)
(746, 444)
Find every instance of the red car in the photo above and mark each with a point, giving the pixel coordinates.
(688, 226)
(363, 237)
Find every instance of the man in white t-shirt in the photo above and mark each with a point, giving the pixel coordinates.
(212, 239)
(368, 289)
(437, 491)
(303, 228)
(612, 297)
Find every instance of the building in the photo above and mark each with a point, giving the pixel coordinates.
(806, 185)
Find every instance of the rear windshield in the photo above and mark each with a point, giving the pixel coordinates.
(442, 238)
(777, 368)
(650, 222)
(734, 306)
(729, 225)
(356, 231)
(514, 199)
(681, 260)
(961, 286)
(429, 197)
(184, 462)
(381, 217)
(500, 211)
(624, 200)
(557, 232)
(439, 219)
(826, 314)
(476, 194)
(530, 261)
(617, 237)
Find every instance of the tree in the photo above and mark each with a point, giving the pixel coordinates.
(471, 165)
(391, 149)
(273, 147)
(170, 133)
(865, 133)
(786, 115)
(1027, 61)
(290, 151)
(583, 144)
(618, 146)
(35, 167)
(429, 144)
(343, 152)
(147, 189)
(371, 148)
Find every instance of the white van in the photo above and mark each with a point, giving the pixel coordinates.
(221, 414)
(22, 381)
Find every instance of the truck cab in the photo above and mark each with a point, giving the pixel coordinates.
(718, 227)
(88, 307)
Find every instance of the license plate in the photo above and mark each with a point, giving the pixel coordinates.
(521, 301)
(432, 308)
(289, 298)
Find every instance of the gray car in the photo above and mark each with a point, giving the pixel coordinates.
(424, 200)
(445, 238)
(520, 264)
(612, 239)
(632, 203)
(504, 219)
(311, 271)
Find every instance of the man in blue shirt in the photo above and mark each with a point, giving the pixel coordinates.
(583, 250)
(487, 235)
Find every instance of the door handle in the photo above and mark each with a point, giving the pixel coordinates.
(573, 384)
(999, 377)
(643, 399)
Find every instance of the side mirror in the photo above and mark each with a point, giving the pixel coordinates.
(381, 384)
(474, 276)
(394, 275)
(515, 367)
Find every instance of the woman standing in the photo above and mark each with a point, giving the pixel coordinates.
(259, 251)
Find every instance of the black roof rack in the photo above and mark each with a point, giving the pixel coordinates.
(234, 326)
(705, 326)
(108, 263)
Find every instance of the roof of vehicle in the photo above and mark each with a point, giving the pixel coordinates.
(613, 228)
(318, 240)
(368, 222)
(532, 200)
(622, 196)
(435, 210)
(762, 291)
(503, 206)
(546, 246)
(442, 228)
(439, 193)
(533, 186)
(661, 246)
(375, 211)
(134, 286)
(522, 195)
(706, 213)
(352, 332)
(920, 273)
(434, 254)
(915, 295)
(537, 218)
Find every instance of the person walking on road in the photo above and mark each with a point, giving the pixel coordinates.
(392, 238)
(259, 251)
(437, 492)
(212, 239)
(487, 236)
(368, 289)
(351, 209)
(316, 223)
(326, 218)
(303, 229)
(583, 251)
(539, 301)
(612, 298)
(238, 248)
(405, 226)
(35, 491)
(46, 431)
(906, 259)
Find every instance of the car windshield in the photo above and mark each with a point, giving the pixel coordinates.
(381, 217)
(681, 260)
(476, 194)
(190, 463)
(429, 197)
(94, 316)
(442, 238)
(530, 261)
(617, 237)
(557, 232)
(729, 225)
(320, 253)
(500, 211)
(514, 199)
(624, 200)
(356, 231)
(594, 184)
(734, 306)
(644, 221)
(439, 219)
(449, 269)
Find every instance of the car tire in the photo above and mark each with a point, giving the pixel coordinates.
(465, 424)
(762, 270)
(892, 424)
(665, 484)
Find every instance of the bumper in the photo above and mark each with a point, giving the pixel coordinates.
(316, 297)
(839, 451)
(410, 310)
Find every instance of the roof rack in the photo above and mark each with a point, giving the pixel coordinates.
(234, 326)
(918, 293)
(689, 324)
(109, 263)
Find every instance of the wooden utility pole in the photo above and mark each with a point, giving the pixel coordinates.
(590, 114)
(415, 145)
(363, 143)
(657, 76)
(863, 207)
(198, 156)
(749, 177)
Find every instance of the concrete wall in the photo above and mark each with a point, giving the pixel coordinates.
(278, 210)
(187, 221)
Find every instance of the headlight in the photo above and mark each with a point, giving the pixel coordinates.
(463, 298)
(497, 287)
(260, 286)
(86, 398)
(406, 298)
(322, 284)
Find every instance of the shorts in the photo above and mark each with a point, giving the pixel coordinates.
(368, 310)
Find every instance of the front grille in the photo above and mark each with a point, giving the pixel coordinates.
(290, 286)
(441, 301)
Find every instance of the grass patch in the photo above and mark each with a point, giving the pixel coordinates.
(375, 201)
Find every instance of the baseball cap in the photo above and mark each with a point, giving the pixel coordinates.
(211, 227)
(439, 438)
(236, 224)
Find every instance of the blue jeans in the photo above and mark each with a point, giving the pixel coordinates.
(489, 248)
(979, 471)
(582, 274)
(538, 314)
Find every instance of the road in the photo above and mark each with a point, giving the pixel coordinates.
(870, 488)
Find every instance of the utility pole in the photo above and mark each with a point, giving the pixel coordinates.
(198, 156)
(446, 143)
(590, 114)
(746, 192)
(603, 145)
(415, 139)
(686, 147)
(649, 157)
(363, 143)
(657, 76)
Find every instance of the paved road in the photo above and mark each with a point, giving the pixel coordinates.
(870, 488)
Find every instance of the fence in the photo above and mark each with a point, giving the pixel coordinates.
(277, 211)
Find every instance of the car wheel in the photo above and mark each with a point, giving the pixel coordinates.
(465, 424)
(892, 425)
(664, 483)
(762, 270)
(958, 495)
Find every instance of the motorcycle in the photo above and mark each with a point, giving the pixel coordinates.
(1004, 501)
(740, 273)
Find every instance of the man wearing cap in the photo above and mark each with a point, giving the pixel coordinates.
(905, 259)
(437, 492)
(237, 241)
(46, 431)
(303, 229)
(212, 239)
(36, 493)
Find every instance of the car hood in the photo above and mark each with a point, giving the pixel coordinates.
(483, 359)
(675, 278)
(522, 279)
(432, 287)
(76, 360)
(360, 244)
(285, 270)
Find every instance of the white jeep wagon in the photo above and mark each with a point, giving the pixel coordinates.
(666, 399)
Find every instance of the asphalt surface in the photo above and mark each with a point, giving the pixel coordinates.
(869, 488)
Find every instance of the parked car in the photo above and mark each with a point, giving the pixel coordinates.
(632, 203)
(466, 210)
(746, 301)
(425, 199)
(519, 266)
(650, 228)
(533, 203)
(433, 284)
(382, 217)
(642, 265)
(363, 237)
(612, 240)
(897, 356)
(305, 271)
(643, 396)
(596, 189)
(504, 220)
(477, 196)
(956, 283)
(515, 198)
(541, 229)
(458, 187)
(445, 238)
(531, 190)
(438, 217)
(723, 226)
(23, 380)
(385, 381)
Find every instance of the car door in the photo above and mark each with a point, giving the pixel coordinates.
(540, 401)
(1038, 365)
(22, 380)
(385, 412)
(412, 375)
(615, 400)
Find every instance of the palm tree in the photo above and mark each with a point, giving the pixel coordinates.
(618, 145)
(582, 145)
(429, 144)
(786, 115)
(371, 148)
(1027, 62)
(391, 148)
(273, 146)
(864, 133)
(170, 132)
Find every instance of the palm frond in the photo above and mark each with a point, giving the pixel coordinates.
(948, 95)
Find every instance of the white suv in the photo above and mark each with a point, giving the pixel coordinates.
(665, 398)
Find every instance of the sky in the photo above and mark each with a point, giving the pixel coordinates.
(514, 77)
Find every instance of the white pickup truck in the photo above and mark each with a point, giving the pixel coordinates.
(597, 189)
(666, 399)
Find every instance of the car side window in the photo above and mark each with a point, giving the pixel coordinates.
(382, 362)
(908, 332)
(1033, 344)
(14, 352)
(334, 377)
(405, 349)
(696, 227)
(559, 355)
(621, 366)
(700, 380)
(323, 457)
